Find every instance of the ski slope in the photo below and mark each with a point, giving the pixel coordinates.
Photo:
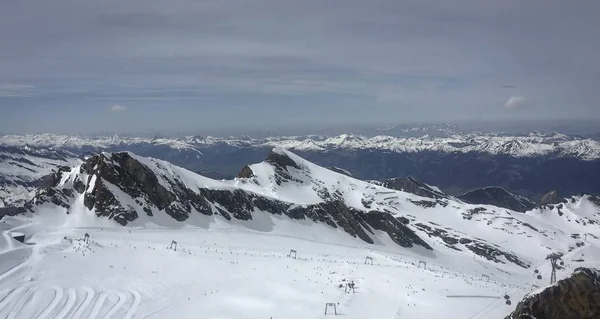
(227, 271)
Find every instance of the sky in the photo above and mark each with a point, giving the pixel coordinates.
(148, 65)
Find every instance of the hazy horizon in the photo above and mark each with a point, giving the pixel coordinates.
(588, 127)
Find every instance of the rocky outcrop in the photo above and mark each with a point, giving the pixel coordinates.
(594, 199)
(411, 185)
(246, 172)
(551, 198)
(281, 160)
(11, 211)
(577, 297)
(497, 196)
(457, 241)
(282, 164)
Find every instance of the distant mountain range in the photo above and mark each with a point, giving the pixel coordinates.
(531, 145)
(528, 165)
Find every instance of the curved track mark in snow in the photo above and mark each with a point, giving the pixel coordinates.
(117, 306)
(58, 294)
(25, 297)
(98, 305)
(17, 266)
(71, 297)
(17, 292)
(137, 300)
(89, 296)
(157, 311)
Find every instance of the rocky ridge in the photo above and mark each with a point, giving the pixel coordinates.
(497, 196)
(576, 297)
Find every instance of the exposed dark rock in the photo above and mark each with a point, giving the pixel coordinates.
(11, 211)
(595, 199)
(423, 203)
(281, 160)
(530, 227)
(398, 232)
(282, 163)
(246, 172)
(411, 185)
(497, 196)
(451, 239)
(473, 211)
(550, 198)
(429, 203)
(576, 297)
(492, 253)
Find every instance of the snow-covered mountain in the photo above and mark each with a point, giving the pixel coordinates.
(21, 167)
(534, 144)
(167, 242)
(130, 189)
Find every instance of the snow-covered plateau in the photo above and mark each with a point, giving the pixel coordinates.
(117, 235)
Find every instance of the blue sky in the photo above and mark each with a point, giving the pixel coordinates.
(140, 65)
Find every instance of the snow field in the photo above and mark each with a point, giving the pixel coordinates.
(132, 273)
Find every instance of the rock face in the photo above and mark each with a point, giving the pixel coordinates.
(120, 186)
(550, 198)
(577, 297)
(411, 185)
(595, 199)
(11, 211)
(497, 196)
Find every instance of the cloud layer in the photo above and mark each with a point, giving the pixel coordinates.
(205, 63)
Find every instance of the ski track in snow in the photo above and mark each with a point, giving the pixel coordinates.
(120, 302)
(66, 302)
(98, 305)
(137, 300)
(20, 303)
(68, 305)
(89, 296)
(14, 293)
(58, 294)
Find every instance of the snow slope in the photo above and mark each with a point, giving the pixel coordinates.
(242, 267)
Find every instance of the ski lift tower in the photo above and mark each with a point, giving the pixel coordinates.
(554, 261)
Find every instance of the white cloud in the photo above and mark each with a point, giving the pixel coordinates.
(15, 90)
(117, 108)
(515, 102)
